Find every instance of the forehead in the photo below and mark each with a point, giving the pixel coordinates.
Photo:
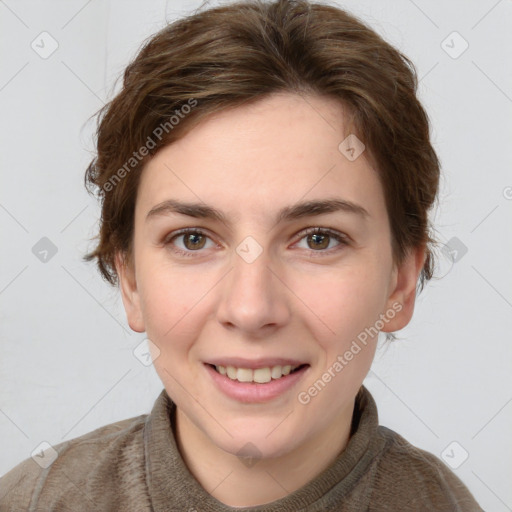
(259, 158)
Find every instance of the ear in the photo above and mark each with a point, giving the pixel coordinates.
(129, 293)
(403, 289)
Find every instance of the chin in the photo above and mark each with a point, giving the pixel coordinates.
(260, 439)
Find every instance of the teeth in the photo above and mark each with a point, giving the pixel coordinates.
(260, 375)
(244, 375)
(275, 372)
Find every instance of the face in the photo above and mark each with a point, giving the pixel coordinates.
(286, 262)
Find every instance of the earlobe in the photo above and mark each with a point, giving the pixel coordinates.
(403, 293)
(129, 292)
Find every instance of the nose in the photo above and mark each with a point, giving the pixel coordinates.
(254, 299)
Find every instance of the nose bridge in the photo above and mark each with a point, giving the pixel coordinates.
(252, 298)
(251, 275)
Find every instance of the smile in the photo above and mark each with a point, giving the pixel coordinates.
(265, 381)
(259, 375)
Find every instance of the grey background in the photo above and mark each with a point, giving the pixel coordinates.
(67, 364)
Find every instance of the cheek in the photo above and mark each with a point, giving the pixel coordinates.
(174, 302)
(342, 304)
(166, 298)
(341, 308)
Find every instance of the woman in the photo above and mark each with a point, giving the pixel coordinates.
(266, 174)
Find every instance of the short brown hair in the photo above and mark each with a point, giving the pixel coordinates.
(231, 55)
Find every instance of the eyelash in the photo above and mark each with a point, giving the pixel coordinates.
(342, 239)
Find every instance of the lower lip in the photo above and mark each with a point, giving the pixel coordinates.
(253, 392)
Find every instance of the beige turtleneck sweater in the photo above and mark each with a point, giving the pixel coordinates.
(134, 466)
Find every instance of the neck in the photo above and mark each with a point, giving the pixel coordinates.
(240, 482)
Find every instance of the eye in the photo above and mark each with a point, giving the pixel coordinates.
(320, 239)
(188, 241)
(192, 240)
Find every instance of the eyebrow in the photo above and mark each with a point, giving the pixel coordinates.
(286, 214)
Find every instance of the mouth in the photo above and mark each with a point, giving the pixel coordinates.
(261, 375)
(250, 381)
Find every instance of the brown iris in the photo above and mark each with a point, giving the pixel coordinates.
(322, 239)
(194, 241)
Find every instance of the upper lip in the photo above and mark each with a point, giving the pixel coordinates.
(253, 364)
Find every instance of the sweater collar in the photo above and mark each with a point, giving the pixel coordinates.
(171, 486)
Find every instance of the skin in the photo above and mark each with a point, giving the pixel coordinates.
(294, 300)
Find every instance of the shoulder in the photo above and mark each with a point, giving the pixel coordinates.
(78, 471)
(417, 479)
